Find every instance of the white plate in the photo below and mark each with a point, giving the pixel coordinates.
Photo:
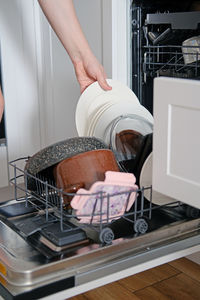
(94, 119)
(116, 110)
(145, 180)
(96, 108)
(88, 97)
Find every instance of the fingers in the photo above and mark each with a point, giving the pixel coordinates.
(88, 73)
(101, 78)
(85, 83)
(82, 77)
(83, 87)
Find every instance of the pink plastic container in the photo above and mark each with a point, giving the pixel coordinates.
(106, 200)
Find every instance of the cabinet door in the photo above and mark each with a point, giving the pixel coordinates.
(59, 86)
(176, 145)
(40, 87)
(20, 79)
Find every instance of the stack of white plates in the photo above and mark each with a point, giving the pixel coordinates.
(97, 109)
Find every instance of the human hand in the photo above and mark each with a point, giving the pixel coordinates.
(88, 71)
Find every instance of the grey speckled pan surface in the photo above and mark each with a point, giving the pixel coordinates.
(55, 153)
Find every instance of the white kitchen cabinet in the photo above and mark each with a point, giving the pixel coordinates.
(19, 79)
(40, 88)
(60, 87)
(176, 146)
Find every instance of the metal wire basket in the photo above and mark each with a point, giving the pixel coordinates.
(171, 60)
(47, 200)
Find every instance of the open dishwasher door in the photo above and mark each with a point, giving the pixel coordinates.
(27, 273)
(37, 261)
(176, 146)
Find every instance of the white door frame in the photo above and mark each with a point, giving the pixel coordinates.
(121, 40)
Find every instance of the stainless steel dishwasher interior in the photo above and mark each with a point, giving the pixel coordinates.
(24, 269)
(31, 264)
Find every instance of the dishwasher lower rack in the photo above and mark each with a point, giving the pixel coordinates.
(45, 222)
(53, 217)
(171, 61)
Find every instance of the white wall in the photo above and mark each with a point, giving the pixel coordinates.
(105, 25)
(60, 88)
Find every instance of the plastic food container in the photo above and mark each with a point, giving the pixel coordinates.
(127, 136)
(106, 200)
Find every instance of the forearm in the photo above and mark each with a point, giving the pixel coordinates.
(62, 17)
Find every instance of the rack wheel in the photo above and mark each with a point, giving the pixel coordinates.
(106, 236)
(141, 226)
(192, 212)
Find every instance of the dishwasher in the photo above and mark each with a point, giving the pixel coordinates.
(45, 252)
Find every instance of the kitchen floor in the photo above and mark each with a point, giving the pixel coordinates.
(177, 280)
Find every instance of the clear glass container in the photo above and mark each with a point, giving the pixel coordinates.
(127, 137)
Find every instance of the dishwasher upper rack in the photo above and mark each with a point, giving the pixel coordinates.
(168, 60)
